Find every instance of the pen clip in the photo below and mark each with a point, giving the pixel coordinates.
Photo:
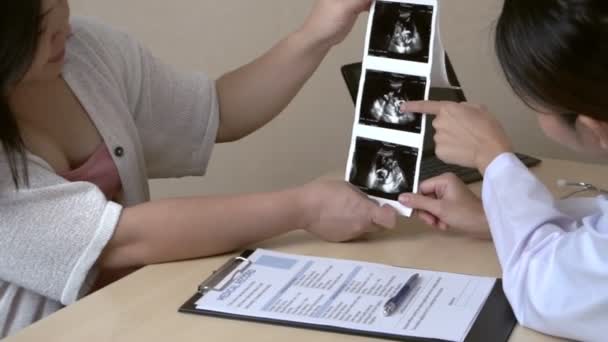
(211, 283)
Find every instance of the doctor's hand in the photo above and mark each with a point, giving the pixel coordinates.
(446, 203)
(466, 134)
(331, 20)
(338, 212)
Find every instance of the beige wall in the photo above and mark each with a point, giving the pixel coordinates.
(312, 136)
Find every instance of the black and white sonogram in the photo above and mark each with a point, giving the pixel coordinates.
(383, 95)
(383, 170)
(401, 31)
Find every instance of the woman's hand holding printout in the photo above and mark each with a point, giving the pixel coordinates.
(332, 20)
(340, 212)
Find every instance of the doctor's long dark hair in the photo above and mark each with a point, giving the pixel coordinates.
(19, 32)
(555, 54)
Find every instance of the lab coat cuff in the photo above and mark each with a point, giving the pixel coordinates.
(500, 163)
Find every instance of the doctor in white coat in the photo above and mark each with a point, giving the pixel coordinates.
(555, 263)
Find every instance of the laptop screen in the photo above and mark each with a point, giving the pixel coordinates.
(352, 75)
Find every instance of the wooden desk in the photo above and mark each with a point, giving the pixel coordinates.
(143, 306)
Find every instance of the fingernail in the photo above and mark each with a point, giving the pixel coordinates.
(405, 199)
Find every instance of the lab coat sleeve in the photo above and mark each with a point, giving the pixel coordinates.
(555, 266)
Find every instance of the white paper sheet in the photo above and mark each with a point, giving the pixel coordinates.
(386, 148)
(439, 72)
(351, 295)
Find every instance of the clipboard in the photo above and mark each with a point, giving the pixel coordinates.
(495, 322)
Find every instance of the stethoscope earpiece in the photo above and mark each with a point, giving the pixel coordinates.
(582, 187)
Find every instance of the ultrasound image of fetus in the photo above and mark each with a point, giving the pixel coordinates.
(386, 175)
(387, 108)
(405, 39)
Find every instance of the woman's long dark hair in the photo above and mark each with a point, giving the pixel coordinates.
(555, 54)
(19, 32)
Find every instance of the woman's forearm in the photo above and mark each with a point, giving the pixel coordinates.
(178, 229)
(256, 93)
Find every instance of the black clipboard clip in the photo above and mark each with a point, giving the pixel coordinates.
(211, 283)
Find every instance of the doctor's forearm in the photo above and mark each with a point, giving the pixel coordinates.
(256, 93)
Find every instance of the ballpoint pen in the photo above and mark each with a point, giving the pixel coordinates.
(393, 303)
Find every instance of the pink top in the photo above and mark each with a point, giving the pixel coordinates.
(100, 170)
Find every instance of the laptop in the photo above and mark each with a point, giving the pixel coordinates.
(432, 166)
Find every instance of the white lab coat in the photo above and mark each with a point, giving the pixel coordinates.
(554, 254)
